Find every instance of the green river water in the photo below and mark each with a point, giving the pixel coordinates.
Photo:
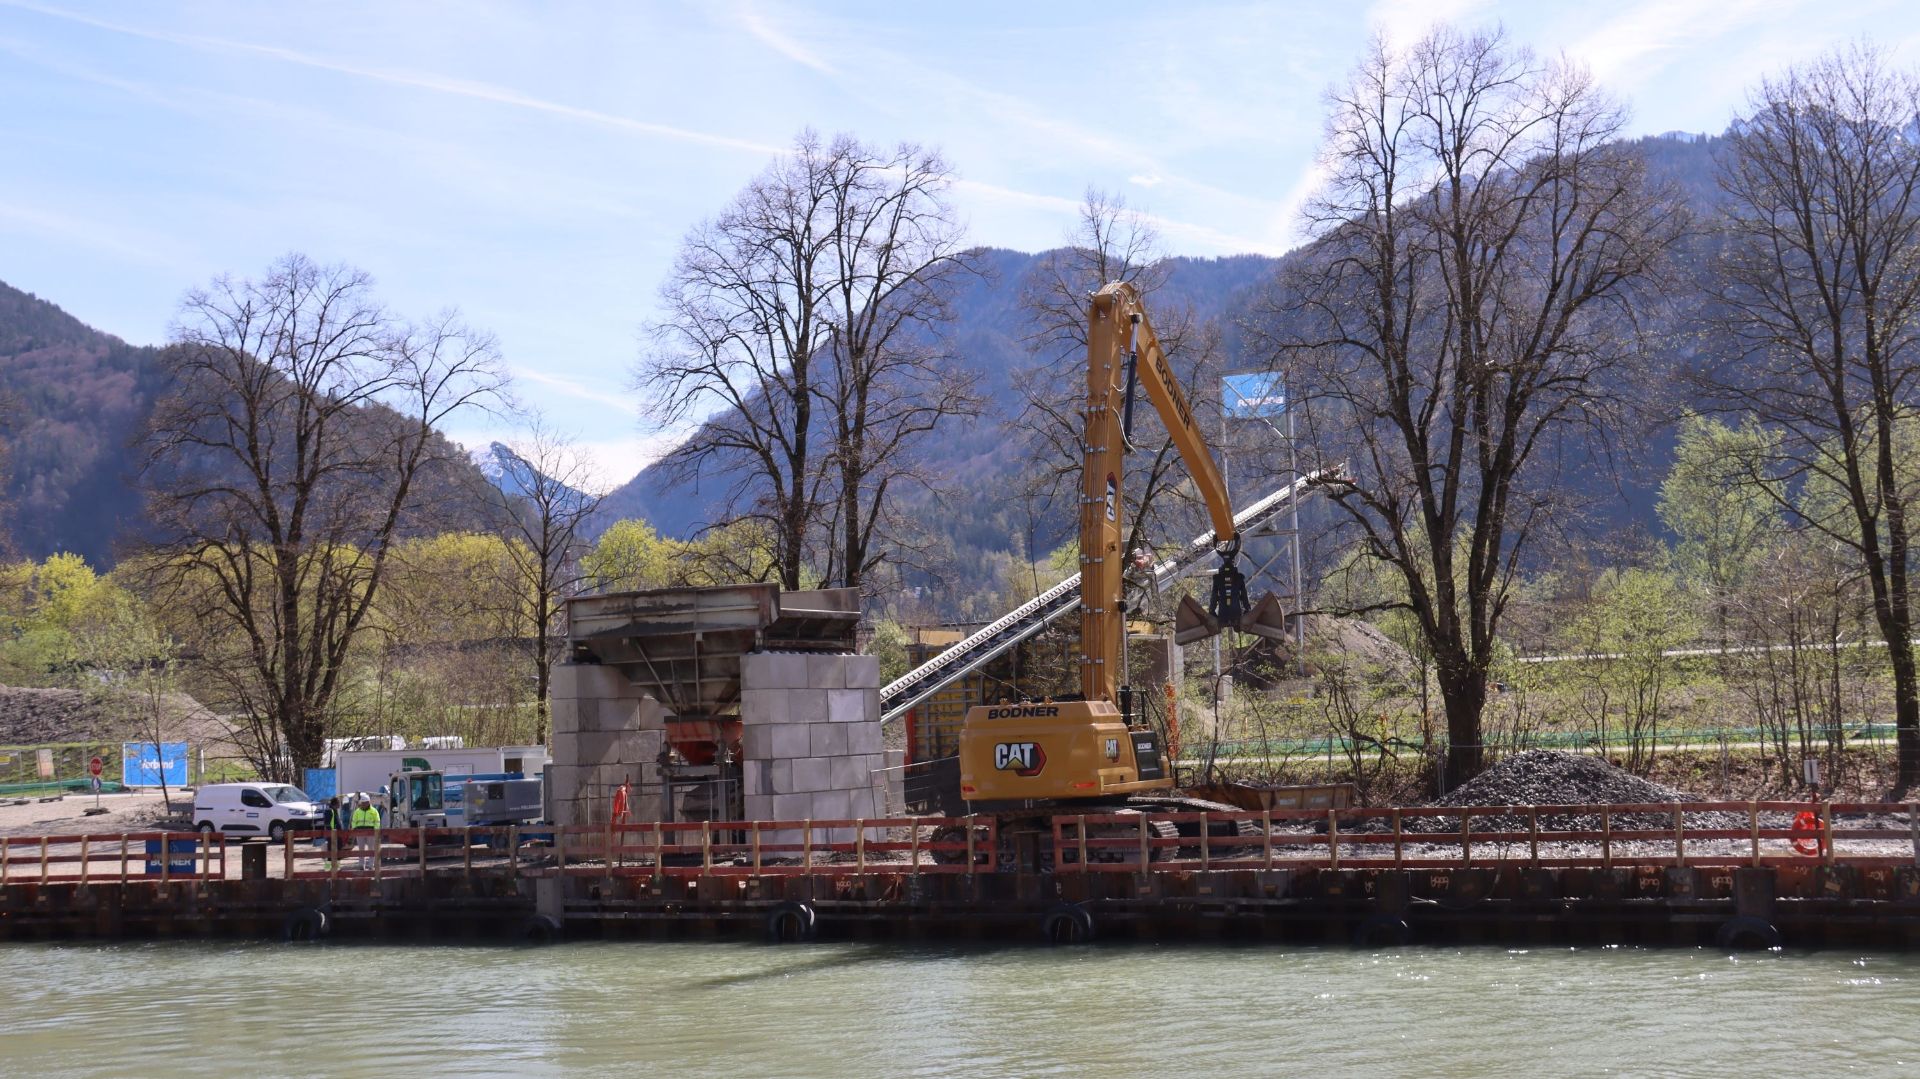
(731, 1009)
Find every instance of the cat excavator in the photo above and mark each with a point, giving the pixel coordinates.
(1033, 755)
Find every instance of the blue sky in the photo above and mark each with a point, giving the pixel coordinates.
(536, 166)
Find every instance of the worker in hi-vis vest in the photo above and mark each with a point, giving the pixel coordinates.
(365, 816)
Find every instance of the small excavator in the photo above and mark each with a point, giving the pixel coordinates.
(1032, 755)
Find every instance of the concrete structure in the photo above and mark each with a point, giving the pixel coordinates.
(606, 731)
(810, 739)
(719, 704)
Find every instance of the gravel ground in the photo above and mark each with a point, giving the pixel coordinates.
(126, 812)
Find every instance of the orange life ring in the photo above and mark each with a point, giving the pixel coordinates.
(1808, 822)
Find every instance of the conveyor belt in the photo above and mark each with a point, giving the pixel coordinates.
(1036, 614)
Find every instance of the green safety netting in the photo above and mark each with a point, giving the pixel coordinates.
(59, 786)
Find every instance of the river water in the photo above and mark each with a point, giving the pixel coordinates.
(730, 1009)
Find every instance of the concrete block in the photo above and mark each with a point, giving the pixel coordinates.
(850, 773)
(812, 774)
(792, 807)
(826, 672)
(773, 670)
(564, 715)
(791, 740)
(807, 706)
(756, 742)
(864, 738)
(758, 806)
(846, 705)
(763, 706)
(870, 707)
(828, 739)
(756, 777)
(780, 776)
(584, 681)
(863, 672)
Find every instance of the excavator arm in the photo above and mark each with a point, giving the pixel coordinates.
(1122, 350)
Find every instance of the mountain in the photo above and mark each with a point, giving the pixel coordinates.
(514, 475)
(74, 403)
(70, 399)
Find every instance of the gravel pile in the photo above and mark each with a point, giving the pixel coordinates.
(1553, 777)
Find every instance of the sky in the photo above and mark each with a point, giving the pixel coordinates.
(536, 166)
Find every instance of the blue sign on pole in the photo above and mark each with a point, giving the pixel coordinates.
(146, 764)
(1254, 395)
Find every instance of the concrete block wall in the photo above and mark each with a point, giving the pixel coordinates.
(605, 732)
(810, 740)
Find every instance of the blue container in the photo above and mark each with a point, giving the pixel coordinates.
(175, 848)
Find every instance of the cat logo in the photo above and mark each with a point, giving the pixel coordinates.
(1020, 758)
(1113, 749)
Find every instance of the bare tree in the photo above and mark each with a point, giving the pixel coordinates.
(546, 503)
(1111, 242)
(1820, 290)
(1482, 245)
(281, 465)
(805, 314)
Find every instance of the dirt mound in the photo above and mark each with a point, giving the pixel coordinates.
(1358, 644)
(1552, 777)
(31, 717)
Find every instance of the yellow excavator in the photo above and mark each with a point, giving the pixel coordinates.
(1023, 755)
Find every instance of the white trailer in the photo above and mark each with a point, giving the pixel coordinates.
(368, 771)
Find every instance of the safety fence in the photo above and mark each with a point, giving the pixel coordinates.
(1700, 834)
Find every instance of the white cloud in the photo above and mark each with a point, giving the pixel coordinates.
(1620, 49)
(612, 398)
(1153, 179)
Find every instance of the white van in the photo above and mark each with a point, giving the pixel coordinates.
(244, 809)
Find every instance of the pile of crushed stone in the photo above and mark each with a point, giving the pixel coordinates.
(1554, 777)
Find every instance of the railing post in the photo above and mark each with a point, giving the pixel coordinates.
(1679, 836)
(376, 853)
(1146, 848)
(973, 822)
(1466, 837)
(1266, 835)
(6, 842)
(860, 844)
(756, 848)
(1913, 829)
(1606, 838)
(1753, 824)
(806, 843)
(333, 854)
(1533, 836)
(123, 857)
(659, 848)
(1206, 838)
(1399, 851)
(1081, 824)
(913, 848)
(466, 855)
(86, 842)
(423, 852)
(1333, 839)
(706, 848)
(1826, 830)
(513, 849)
(287, 857)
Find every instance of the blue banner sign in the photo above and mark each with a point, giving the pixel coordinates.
(147, 764)
(1253, 395)
(321, 783)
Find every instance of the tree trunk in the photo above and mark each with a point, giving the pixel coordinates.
(1463, 692)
